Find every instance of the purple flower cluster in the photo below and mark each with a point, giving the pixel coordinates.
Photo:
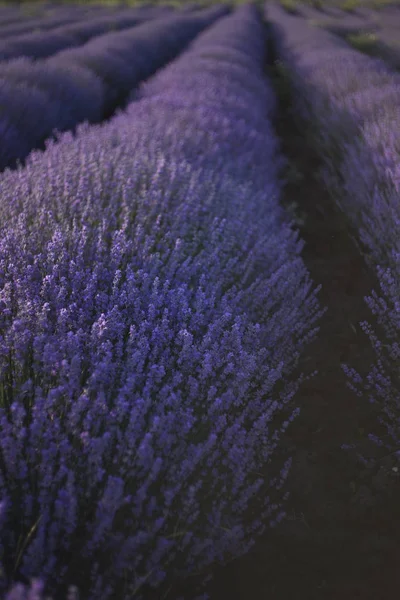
(353, 102)
(85, 83)
(153, 305)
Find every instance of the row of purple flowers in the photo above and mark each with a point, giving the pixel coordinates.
(352, 103)
(85, 83)
(153, 307)
(14, 22)
(41, 44)
(19, 19)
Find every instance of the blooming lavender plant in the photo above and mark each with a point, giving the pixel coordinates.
(152, 311)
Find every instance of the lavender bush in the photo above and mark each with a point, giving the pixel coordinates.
(86, 83)
(354, 103)
(153, 307)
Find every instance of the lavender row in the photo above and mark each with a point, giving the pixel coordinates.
(42, 44)
(371, 34)
(153, 308)
(11, 15)
(353, 102)
(46, 18)
(43, 23)
(85, 83)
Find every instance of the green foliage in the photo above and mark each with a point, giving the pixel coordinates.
(350, 5)
(378, 4)
(365, 42)
(317, 22)
(290, 6)
(317, 4)
(32, 10)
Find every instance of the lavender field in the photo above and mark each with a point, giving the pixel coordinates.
(199, 301)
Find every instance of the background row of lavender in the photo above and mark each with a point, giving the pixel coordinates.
(51, 18)
(153, 308)
(20, 25)
(352, 102)
(86, 83)
(42, 43)
(373, 32)
(24, 17)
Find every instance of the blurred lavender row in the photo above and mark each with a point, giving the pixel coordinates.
(45, 24)
(13, 15)
(372, 32)
(352, 103)
(26, 15)
(24, 18)
(153, 305)
(86, 83)
(42, 44)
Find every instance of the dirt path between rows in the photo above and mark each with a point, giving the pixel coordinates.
(342, 540)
